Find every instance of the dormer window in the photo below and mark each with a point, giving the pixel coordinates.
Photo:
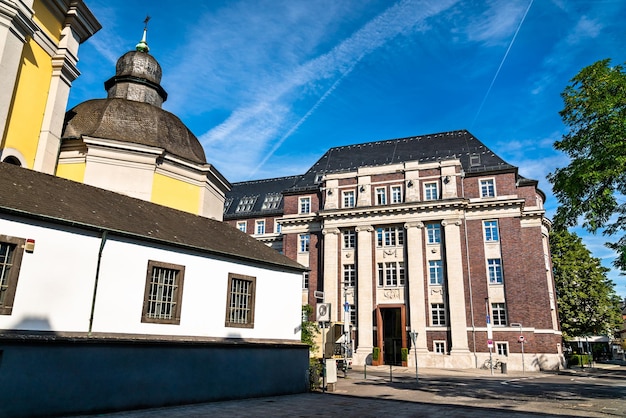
(246, 204)
(227, 204)
(474, 160)
(272, 201)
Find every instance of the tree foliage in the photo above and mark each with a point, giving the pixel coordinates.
(309, 329)
(586, 298)
(592, 187)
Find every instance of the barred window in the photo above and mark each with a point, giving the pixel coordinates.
(163, 295)
(240, 303)
(11, 252)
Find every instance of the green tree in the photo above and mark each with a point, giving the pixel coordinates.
(593, 185)
(309, 329)
(586, 298)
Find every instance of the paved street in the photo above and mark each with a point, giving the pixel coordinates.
(599, 392)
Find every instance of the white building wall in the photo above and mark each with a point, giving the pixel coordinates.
(56, 282)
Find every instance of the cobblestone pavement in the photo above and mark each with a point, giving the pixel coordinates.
(439, 393)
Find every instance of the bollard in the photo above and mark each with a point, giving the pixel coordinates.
(390, 374)
(365, 372)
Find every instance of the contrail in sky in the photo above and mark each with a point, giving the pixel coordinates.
(480, 108)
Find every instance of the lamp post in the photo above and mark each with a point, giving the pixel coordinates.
(413, 335)
(521, 340)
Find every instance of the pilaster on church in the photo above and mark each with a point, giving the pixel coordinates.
(416, 277)
(455, 287)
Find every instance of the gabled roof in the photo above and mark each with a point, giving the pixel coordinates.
(462, 145)
(40, 196)
(257, 191)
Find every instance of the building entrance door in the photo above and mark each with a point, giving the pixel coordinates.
(392, 336)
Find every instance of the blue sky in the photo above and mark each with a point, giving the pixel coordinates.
(269, 86)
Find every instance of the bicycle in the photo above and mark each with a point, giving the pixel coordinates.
(488, 364)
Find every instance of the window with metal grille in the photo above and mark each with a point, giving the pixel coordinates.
(240, 303)
(163, 295)
(438, 314)
(11, 252)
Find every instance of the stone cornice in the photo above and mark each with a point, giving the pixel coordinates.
(399, 208)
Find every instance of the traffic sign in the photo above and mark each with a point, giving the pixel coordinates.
(489, 343)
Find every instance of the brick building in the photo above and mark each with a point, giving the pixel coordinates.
(433, 234)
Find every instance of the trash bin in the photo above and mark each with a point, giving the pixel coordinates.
(503, 368)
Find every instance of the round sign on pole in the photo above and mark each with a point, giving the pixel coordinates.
(490, 343)
(520, 339)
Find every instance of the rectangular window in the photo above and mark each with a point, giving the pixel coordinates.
(498, 311)
(438, 314)
(381, 196)
(260, 227)
(278, 227)
(241, 226)
(389, 237)
(305, 205)
(431, 191)
(348, 199)
(164, 293)
(502, 349)
(349, 275)
(349, 239)
(305, 241)
(353, 315)
(494, 267)
(391, 274)
(305, 280)
(11, 252)
(240, 301)
(396, 194)
(491, 231)
(433, 233)
(487, 188)
(435, 272)
(439, 347)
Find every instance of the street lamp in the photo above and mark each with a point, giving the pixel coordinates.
(413, 335)
(521, 340)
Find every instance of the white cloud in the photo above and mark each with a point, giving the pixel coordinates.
(496, 24)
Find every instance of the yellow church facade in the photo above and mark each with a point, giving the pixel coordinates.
(39, 42)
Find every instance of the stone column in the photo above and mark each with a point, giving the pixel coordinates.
(331, 269)
(415, 273)
(365, 296)
(455, 287)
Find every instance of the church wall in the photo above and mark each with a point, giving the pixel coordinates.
(56, 282)
(71, 171)
(175, 193)
(28, 105)
(46, 20)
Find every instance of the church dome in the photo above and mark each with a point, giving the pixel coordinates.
(134, 122)
(132, 110)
